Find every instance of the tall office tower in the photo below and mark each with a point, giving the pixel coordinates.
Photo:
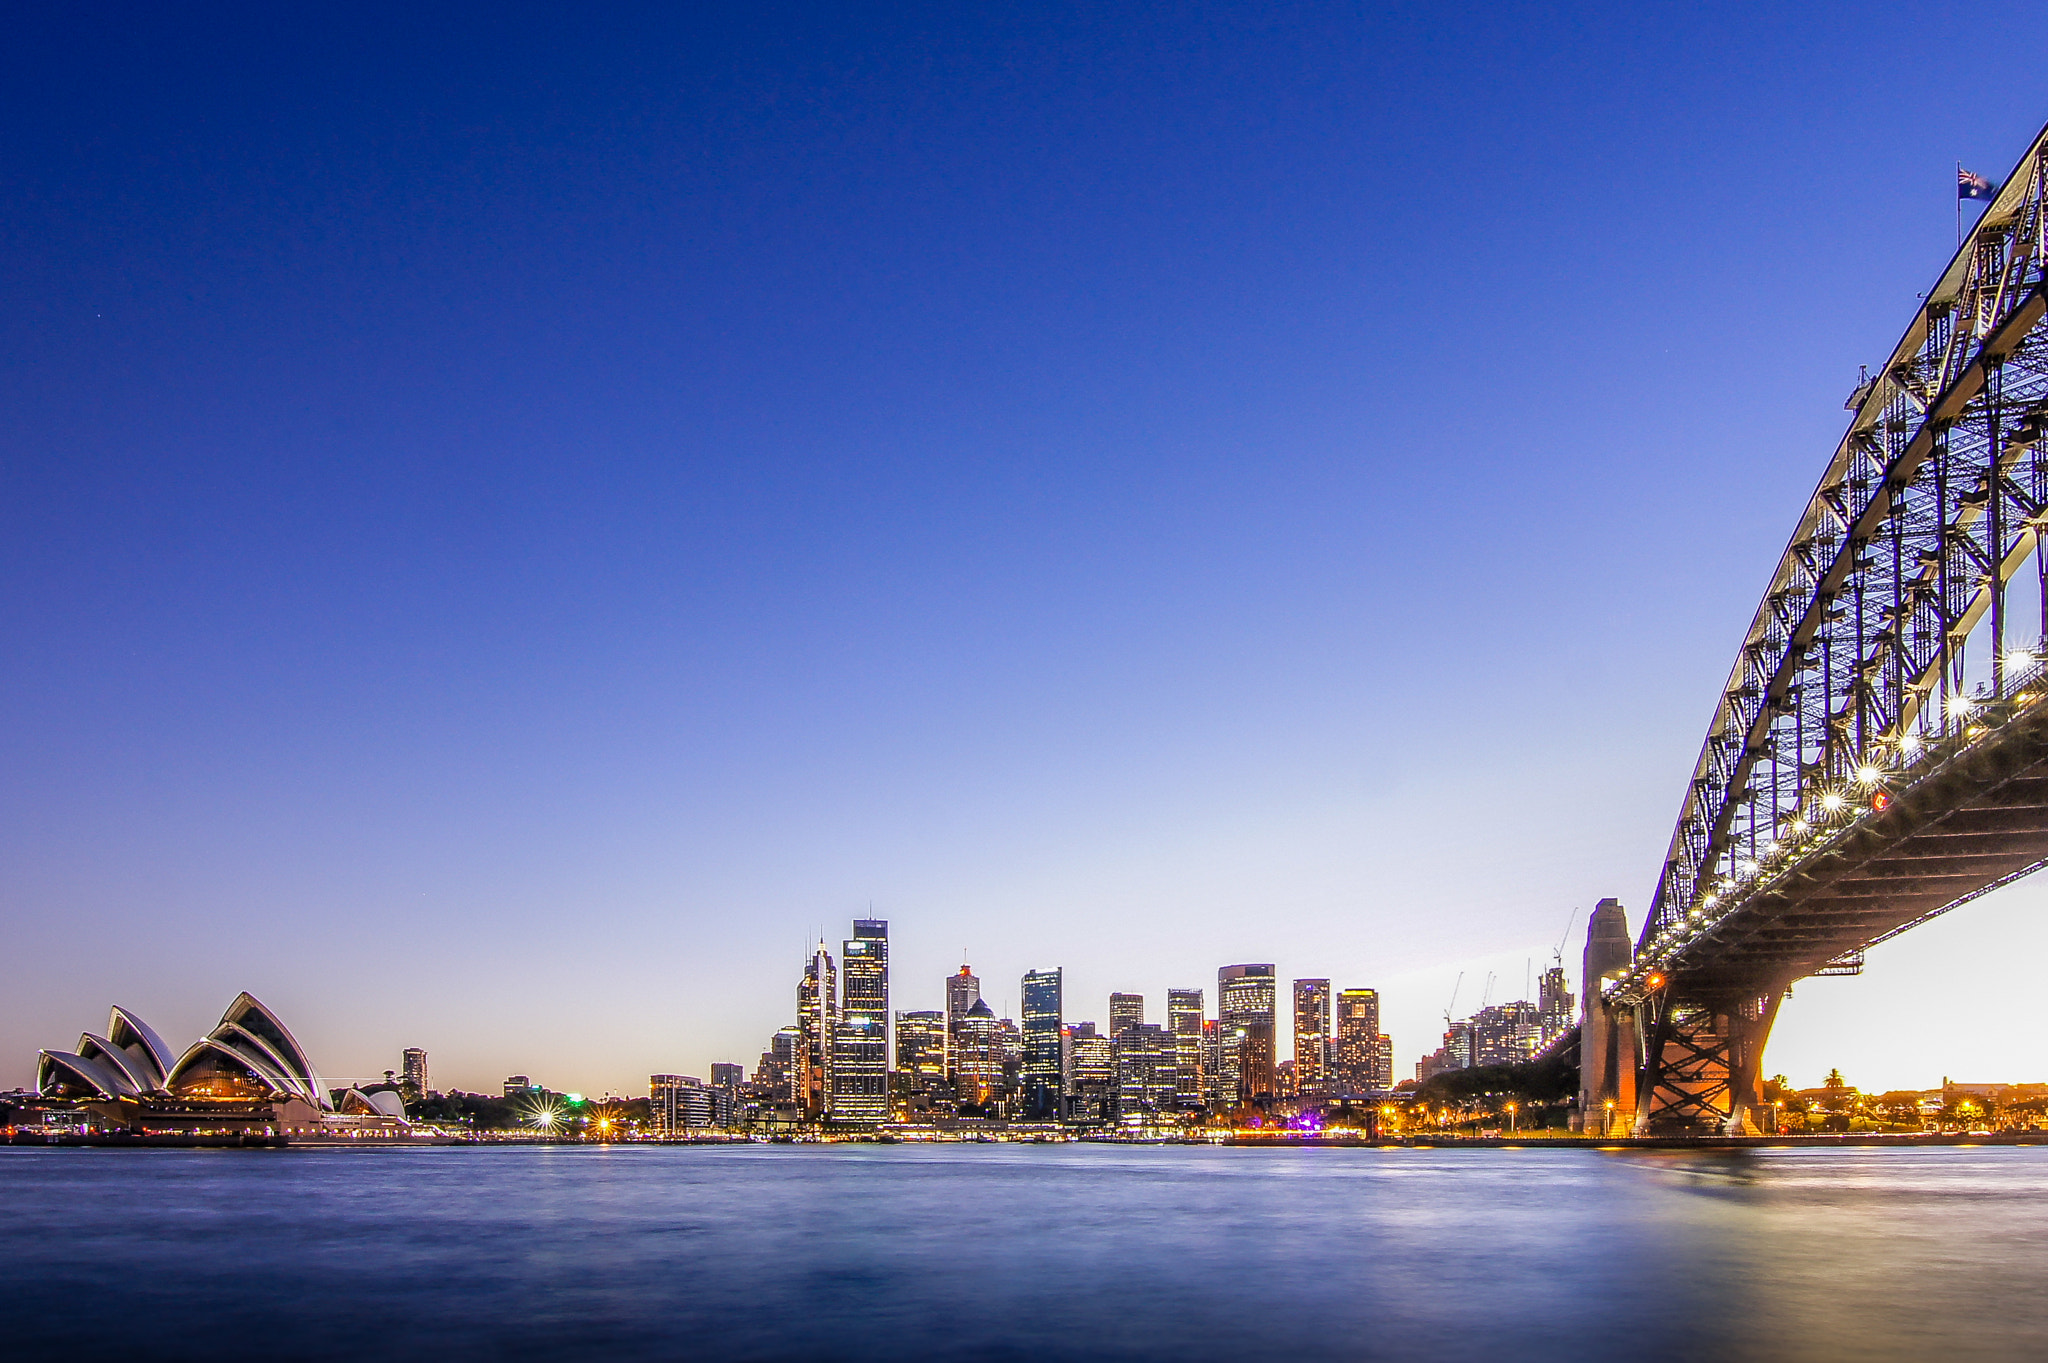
(1245, 1002)
(860, 1038)
(977, 1056)
(1043, 1063)
(1125, 1012)
(728, 1077)
(778, 1080)
(1358, 1034)
(1383, 1075)
(1091, 1075)
(1554, 1001)
(1506, 1033)
(414, 1074)
(1146, 1063)
(817, 1018)
(963, 991)
(864, 973)
(1184, 1020)
(1311, 1036)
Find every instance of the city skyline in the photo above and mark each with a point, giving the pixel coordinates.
(495, 553)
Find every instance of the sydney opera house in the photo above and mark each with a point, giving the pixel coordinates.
(247, 1078)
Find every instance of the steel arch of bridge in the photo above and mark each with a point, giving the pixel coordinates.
(1859, 666)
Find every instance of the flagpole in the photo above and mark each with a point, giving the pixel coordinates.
(1959, 205)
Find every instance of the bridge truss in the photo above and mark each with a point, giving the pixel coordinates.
(1880, 750)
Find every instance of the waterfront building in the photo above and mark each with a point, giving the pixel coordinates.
(859, 1076)
(1383, 1072)
(731, 1078)
(1245, 1004)
(1147, 1063)
(1222, 1057)
(681, 1102)
(1358, 1033)
(978, 1057)
(413, 1072)
(1125, 1012)
(248, 1076)
(518, 1086)
(1312, 1035)
(779, 1076)
(817, 1016)
(1042, 1063)
(1091, 1075)
(1184, 1018)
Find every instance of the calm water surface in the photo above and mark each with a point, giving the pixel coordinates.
(1007, 1252)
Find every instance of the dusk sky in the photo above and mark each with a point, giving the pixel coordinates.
(513, 522)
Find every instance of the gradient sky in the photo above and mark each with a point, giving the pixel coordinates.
(511, 522)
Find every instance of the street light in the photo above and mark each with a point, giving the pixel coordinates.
(1608, 1130)
(1512, 1128)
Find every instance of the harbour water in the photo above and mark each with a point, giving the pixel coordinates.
(997, 1253)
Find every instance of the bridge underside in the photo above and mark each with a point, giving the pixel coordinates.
(1972, 823)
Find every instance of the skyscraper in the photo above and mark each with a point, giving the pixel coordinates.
(1043, 1067)
(1184, 1019)
(1358, 1034)
(978, 1056)
(817, 1017)
(1311, 1035)
(1245, 1004)
(963, 991)
(921, 1044)
(860, 1039)
(414, 1072)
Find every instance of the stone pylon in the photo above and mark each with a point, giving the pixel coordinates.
(1607, 1036)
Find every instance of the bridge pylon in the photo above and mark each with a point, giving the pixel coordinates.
(1607, 1032)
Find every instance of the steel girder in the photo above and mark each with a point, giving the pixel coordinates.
(1885, 631)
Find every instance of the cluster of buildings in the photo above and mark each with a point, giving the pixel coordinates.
(848, 1061)
(1506, 1033)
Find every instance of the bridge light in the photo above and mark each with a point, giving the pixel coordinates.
(1656, 981)
(1831, 801)
(1799, 825)
(1910, 744)
(1960, 705)
(1868, 775)
(2019, 657)
(1880, 802)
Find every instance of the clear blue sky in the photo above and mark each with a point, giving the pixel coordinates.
(511, 521)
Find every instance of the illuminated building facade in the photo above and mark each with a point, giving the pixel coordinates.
(859, 1076)
(1042, 1063)
(1358, 1036)
(817, 1016)
(413, 1072)
(1184, 1018)
(1091, 1076)
(1147, 1069)
(978, 1057)
(1245, 1004)
(1125, 1012)
(1312, 1036)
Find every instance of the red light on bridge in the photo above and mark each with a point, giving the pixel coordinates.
(1880, 802)
(1656, 981)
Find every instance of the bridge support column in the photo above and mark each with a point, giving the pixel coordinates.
(1701, 1063)
(1607, 1050)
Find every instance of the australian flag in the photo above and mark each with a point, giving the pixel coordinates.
(1971, 185)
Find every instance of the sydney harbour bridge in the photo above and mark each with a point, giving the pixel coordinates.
(1879, 754)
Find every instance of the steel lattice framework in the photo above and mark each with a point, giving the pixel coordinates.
(1886, 630)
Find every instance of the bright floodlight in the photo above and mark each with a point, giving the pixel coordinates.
(1831, 801)
(1868, 774)
(1799, 825)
